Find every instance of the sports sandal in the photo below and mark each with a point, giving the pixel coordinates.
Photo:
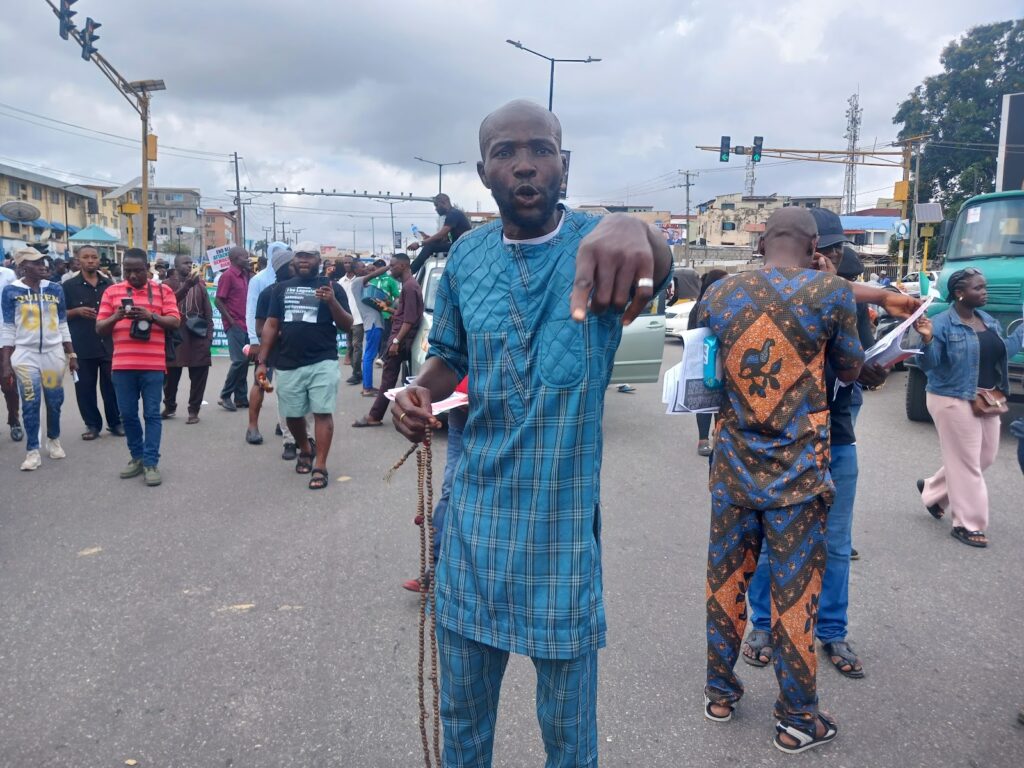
(805, 741)
(708, 704)
(318, 480)
(759, 643)
(304, 464)
(970, 538)
(844, 659)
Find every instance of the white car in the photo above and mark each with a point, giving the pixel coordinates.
(677, 317)
(637, 361)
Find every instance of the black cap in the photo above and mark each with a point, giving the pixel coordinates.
(830, 228)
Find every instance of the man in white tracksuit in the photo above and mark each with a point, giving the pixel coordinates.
(35, 345)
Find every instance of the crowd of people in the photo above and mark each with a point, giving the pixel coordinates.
(131, 336)
(527, 318)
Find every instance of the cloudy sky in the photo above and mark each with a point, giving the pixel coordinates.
(343, 95)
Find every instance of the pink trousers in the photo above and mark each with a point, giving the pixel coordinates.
(969, 445)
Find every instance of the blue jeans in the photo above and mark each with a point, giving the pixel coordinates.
(371, 346)
(456, 423)
(129, 386)
(835, 582)
(236, 382)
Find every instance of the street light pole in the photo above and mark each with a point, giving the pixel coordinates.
(552, 60)
(439, 167)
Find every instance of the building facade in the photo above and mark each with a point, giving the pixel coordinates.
(218, 228)
(64, 209)
(738, 220)
(174, 207)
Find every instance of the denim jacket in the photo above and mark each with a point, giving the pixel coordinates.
(951, 359)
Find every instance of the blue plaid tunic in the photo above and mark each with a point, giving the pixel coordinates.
(520, 568)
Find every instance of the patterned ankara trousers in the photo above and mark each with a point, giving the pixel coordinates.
(795, 537)
(471, 676)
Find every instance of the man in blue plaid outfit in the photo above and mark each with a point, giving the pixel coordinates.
(532, 308)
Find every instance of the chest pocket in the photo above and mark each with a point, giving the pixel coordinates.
(493, 377)
(560, 355)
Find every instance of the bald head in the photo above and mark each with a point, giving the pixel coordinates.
(239, 257)
(790, 237)
(518, 111)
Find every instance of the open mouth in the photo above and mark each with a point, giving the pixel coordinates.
(526, 194)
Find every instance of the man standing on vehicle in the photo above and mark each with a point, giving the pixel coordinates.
(455, 226)
(512, 312)
(407, 318)
(232, 291)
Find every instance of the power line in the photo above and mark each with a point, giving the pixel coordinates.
(136, 144)
(104, 133)
(57, 170)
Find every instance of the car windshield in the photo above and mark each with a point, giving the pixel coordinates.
(430, 283)
(992, 228)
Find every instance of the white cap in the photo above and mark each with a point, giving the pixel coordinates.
(306, 246)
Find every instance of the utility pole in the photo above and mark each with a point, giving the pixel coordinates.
(273, 212)
(239, 228)
(686, 242)
(267, 233)
(283, 239)
(297, 232)
(917, 199)
(751, 178)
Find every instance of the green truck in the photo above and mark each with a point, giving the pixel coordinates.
(989, 235)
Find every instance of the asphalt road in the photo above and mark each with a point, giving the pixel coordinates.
(233, 618)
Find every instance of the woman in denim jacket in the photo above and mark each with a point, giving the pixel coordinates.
(964, 350)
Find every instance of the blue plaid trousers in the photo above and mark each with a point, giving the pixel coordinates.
(471, 675)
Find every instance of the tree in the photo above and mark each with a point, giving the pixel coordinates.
(261, 245)
(959, 109)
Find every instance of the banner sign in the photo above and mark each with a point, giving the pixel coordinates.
(218, 258)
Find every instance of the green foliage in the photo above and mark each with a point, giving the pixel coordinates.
(960, 109)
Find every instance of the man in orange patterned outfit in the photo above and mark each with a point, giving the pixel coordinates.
(770, 482)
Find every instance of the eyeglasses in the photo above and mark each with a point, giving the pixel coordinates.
(971, 272)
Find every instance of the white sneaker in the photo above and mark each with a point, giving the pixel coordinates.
(55, 448)
(32, 461)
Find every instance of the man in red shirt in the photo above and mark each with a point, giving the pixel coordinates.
(137, 312)
(232, 289)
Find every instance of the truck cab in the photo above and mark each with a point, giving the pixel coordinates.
(988, 235)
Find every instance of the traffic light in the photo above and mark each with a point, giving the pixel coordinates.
(89, 37)
(723, 154)
(150, 227)
(755, 154)
(65, 14)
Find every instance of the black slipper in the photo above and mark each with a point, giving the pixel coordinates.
(934, 510)
(962, 534)
(847, 658)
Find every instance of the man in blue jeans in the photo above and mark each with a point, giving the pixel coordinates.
(137, 312)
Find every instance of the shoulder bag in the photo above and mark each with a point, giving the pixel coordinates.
(195, 322)
(172, 336)
(989, 402)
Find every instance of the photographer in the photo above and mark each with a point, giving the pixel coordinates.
(137, 312)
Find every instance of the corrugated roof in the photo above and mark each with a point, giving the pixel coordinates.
(49, 181)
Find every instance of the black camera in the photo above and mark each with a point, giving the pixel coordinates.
(140, 330)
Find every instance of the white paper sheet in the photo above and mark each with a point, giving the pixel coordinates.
(888, 351)
(683, 390)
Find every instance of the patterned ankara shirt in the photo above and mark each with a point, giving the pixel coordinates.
(776, 327)
(520, 568)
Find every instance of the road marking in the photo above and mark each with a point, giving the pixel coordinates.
(89, 551)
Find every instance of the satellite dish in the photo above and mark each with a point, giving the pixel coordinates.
(20, 211)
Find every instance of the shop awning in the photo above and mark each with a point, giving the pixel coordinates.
(56, 225)
(41, 224)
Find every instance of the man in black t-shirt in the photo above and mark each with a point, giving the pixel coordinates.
(82, 293)
(303, 321)
(455, 226)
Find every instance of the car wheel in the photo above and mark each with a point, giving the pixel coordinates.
(917, 404)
